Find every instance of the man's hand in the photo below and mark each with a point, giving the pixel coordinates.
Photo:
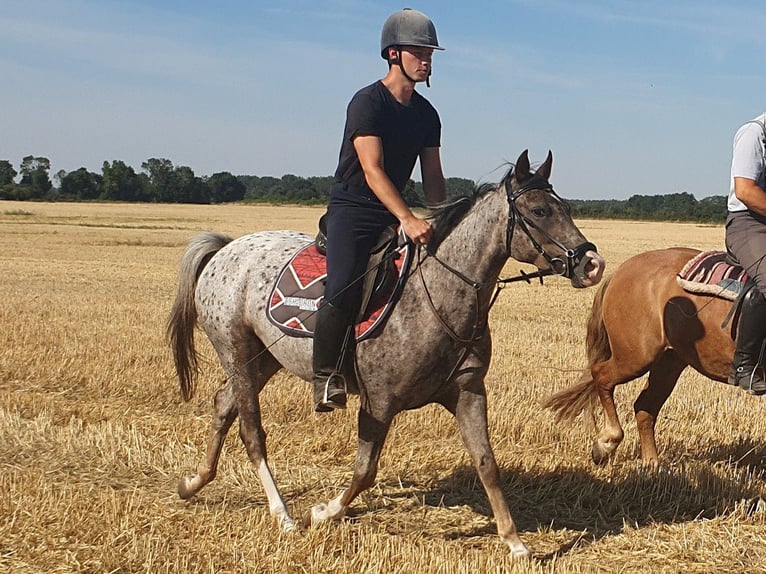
(417, 229)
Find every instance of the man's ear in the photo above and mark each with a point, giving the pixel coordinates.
(393, 55)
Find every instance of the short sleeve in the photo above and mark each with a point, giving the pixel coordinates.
(363, 117)
(747, 159)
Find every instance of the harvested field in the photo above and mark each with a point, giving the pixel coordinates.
(95, 434)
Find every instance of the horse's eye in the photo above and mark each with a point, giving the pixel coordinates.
(538, 212)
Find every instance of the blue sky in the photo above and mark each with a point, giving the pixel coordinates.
(633, 97)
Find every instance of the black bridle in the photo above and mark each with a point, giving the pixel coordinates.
(557, 266)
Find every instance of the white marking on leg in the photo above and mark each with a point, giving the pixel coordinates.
(518, 550)
(330, 511)
(277, 506)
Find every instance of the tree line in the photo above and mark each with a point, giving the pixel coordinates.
(161, 182)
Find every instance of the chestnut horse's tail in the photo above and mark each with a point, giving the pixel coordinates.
(581, 396)
(183, 315)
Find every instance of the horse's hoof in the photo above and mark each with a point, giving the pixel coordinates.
(598, 455)
(185, 488)
(288, 524)
(307, 520)
(650, 466)
(520, 552)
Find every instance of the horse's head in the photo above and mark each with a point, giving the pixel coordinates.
(540, 226)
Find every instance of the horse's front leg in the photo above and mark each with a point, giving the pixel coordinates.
(471, 414)
(224, 413)
(372, 434)
(662, 380)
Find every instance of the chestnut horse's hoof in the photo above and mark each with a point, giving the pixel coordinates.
(600, 456)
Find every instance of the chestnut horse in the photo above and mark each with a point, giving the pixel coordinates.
(434, 348)
(643, 321)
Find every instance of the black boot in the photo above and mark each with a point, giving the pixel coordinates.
(331, 334)
(747, 369)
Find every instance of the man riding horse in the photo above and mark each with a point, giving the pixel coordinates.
(746, 243)
(388, 127)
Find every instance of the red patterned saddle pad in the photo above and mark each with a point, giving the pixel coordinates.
(299, 289)
(710, 273)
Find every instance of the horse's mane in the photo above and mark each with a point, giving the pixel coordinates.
(445, 217)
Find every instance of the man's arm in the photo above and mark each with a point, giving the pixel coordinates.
(369, 150)
(433, 177)
(749, 193)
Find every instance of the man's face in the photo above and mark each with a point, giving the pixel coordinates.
(417, 62)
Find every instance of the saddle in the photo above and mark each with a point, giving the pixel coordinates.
(714, 273)
(299, 288)
(381, 270)
(717, 273)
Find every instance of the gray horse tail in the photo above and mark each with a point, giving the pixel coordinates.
(582, 396)
(183, 315)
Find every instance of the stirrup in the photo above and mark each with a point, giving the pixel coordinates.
(752, 384)
(332, 395)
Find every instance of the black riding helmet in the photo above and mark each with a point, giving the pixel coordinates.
(407, 27)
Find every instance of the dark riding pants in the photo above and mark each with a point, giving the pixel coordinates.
(746, 240)
(354, 223)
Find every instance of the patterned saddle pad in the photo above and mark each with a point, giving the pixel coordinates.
(299, 289)
(710, 273)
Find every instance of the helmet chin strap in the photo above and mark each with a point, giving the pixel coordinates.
(406, 75)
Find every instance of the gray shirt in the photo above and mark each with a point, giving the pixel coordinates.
(748, 159)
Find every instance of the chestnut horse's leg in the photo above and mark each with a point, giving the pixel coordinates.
(373, 429)
(612, 434)
(663, 377)
(224, 413)
(471, 414)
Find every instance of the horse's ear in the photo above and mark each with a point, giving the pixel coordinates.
(522, 167)
(544, 170)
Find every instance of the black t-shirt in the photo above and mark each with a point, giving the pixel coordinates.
(404, 132)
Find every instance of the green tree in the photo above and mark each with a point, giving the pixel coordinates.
(191, 189)
(163, 180)
(712, 209)
(298, 189)
(122, 183)
(224, 187)
(34, 173)
(412, 196)
(323, 186)
(82, 184)
(260, 188)
(7, 173)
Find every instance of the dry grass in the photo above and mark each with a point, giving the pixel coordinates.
(95, 436)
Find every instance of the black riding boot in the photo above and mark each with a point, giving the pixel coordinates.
(747, 370)
(332, 329)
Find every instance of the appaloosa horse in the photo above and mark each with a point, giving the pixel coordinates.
(642, 320)
(435, 347)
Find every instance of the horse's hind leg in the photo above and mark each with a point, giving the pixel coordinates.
(257, 366)
(662, 380)
(606, 379)
(470, 412)
(224, 413)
